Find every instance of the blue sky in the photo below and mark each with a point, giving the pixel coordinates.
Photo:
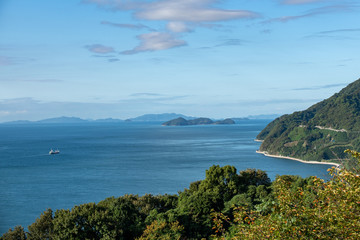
(121, 59)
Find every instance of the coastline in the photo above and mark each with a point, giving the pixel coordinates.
(297, 159)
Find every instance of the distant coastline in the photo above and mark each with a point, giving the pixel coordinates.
(297, 159)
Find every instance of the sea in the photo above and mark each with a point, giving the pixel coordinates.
(100, 160)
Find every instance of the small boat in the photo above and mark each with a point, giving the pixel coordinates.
(54, 152)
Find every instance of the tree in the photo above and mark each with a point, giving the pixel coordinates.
(196, 203)
(162, 230)
(42, 228)
(17, 234)
(254, 177)
(112, 218)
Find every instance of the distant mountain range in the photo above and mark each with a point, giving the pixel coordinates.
(322, 132)
(65, 120)
(143, 118)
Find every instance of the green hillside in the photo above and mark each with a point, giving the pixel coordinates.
(320, 133)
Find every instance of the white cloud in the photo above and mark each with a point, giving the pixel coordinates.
(156, 41)
(100, 49)
(189, 11)
(178, 27)
(175, 10)
(178, 14)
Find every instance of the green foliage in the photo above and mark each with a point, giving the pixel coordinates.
(112, 218)
(196, 203)
(42, 228)
(17, 234)
(302, 209)
(221, 189)
(162, 230)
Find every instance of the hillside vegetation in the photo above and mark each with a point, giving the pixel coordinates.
(322, 132)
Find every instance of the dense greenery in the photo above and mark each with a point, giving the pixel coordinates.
(321, 132)
(225, 205)
(301, 209)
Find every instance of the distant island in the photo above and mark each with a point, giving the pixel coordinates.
(198, 121)
(162, 117)
(320, 133)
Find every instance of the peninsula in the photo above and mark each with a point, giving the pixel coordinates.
(320, 133)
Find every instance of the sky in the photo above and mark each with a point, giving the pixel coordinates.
(204, 58)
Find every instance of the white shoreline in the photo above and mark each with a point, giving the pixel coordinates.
(297, 159)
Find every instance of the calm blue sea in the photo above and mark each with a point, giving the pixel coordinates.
(102, 160)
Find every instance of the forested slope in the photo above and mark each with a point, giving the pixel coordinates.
(322, 132)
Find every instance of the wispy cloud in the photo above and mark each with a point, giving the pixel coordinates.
(315, 12)
(262, 102)
(109, 58)
(99, 49)
(347, 30)
(4, 61)
(10, 112)
(32, 80)
(43, 80)
(104, 56)
(154, 97)
(232, 42)
(7, 61)
(146, 95)
(340, 31)
(300, 1)
(320, 87)
(113, 59)
(129, 26)
(335, 33)
(155, 41)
